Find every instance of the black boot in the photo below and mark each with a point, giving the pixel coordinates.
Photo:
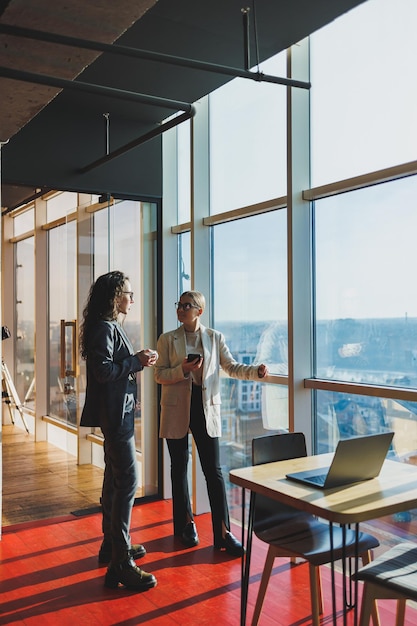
(136, 551)
(130, 575)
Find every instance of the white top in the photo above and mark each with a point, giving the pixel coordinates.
(194, 346)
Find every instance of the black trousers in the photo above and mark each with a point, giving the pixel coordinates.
(119, 486)
(209, 453)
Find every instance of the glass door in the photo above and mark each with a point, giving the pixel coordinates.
(125, 239)
(118, 246)
(62, 322)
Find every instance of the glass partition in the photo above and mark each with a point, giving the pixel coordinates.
(24, 222)
(62, 322)
(60, 205)
(24, 379)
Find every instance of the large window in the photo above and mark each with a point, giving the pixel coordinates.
(250, 308)
(184, 269)
(366, 306)
(366, 310)
(248, 141)
(364, 91)
(184, 172)
(344, 415)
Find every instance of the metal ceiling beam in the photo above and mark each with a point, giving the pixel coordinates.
(140, 140)
(100, 90)
(76, 42)
(52, 81)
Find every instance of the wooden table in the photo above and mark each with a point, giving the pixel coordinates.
(394, 490)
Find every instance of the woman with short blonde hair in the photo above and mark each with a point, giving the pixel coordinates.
(188, 370)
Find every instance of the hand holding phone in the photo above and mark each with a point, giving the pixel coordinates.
(192, 357)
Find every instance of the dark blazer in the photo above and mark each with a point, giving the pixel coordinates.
(110, 360)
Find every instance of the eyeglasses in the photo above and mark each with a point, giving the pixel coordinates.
(186, 306)
(130, 294)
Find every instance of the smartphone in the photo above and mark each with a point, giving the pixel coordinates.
(193, 357)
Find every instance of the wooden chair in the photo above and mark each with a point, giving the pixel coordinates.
(392, 575)
(293, 533)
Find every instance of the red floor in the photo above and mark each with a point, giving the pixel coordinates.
(49, 575)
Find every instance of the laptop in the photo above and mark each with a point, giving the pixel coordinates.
(354, 460)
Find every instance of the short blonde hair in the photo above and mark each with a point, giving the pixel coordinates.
(197, 297)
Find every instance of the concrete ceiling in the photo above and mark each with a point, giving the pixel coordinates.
(66, 110)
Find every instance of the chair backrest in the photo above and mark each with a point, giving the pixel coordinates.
(267, 449)
(283, 447)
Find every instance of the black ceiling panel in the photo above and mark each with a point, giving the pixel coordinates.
(69, 133)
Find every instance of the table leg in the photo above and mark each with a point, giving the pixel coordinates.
(355, 601)
(350, 601)
(344, 576)
(243, 559)
(332, 571)
(246, 555)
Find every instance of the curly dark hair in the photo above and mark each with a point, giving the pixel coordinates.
(101, 304)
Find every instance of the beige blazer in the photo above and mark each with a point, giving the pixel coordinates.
(176, 389)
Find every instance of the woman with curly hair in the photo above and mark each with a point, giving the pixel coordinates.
(110, 402)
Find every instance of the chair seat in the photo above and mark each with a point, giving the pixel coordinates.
(308, 537)
(396, 569)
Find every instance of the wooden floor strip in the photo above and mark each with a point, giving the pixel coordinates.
(41, 481)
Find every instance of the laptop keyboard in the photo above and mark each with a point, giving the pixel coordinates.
(318, 479)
